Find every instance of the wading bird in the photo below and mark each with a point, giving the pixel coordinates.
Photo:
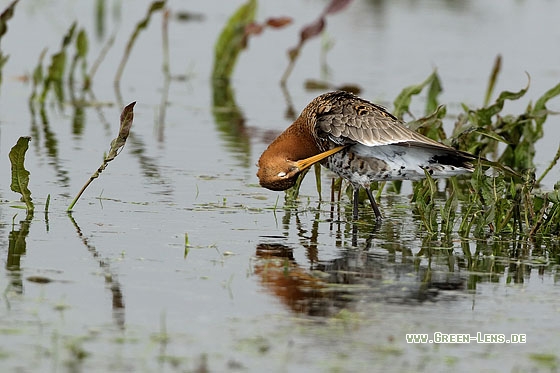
(359, 141)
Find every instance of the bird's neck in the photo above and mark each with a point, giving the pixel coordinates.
(294, 144)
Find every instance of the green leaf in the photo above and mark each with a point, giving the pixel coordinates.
(448, 214)
(232, 40)
(430, 125)
(507, 95)
(20, 176)
(402, 102)
(540, 105)
(82, 44)
(433, 92)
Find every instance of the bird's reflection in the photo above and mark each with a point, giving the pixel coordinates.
(326, 287)
(324, 261)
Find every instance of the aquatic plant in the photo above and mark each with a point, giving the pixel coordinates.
(232, 40)
(502, 202)
(235, 35)
(20, 176)
(117, 144)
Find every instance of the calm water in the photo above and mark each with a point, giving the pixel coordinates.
(176, 260)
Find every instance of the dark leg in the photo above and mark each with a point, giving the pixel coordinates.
(356, 197)
(374, 205)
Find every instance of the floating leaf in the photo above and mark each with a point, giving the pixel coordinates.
(126, 119)
(20, 176)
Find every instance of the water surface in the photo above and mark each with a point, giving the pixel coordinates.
(259, 285)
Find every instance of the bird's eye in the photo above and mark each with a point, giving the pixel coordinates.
(281, 174)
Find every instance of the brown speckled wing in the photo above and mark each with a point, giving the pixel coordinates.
(347, 119)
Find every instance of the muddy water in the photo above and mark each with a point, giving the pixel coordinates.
(175, 258)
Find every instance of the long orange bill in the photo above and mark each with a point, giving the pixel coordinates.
(308, 162)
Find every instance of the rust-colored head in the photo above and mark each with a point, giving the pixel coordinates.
(278, 168)
(277, 174)
(292, 152)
